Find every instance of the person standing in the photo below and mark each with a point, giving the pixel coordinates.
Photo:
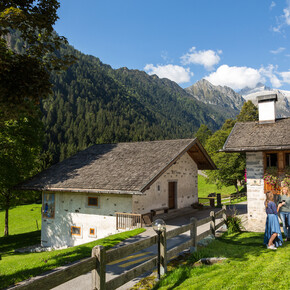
(285, 211)
(273, 236)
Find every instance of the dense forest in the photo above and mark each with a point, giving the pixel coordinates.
(93, 103)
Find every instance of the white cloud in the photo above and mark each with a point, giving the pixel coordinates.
(273, 4)
(287, 14)
(271, 73)
(286, 77)
(207, 58)
(278, 50)
(175, 73)
(235, 77)
(165, 56)
(283, 19)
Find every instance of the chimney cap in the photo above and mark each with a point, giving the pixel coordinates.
(267, 98)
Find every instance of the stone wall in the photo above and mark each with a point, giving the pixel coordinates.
(184, 172)
(255, 191)
(73, 210)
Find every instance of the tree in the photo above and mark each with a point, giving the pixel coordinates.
(249, 112)
(231, 166)
(20, 143)
(203, 134)
(25, 72)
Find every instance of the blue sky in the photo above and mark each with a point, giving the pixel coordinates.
(234, 43)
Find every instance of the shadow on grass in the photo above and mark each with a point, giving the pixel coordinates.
(10, 243)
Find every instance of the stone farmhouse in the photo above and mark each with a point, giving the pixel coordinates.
(82, 194)
(267, 145)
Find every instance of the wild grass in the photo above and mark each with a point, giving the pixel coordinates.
(249, 265)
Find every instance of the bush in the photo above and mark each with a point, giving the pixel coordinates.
(234, 223)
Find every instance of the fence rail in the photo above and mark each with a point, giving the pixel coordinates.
(128, 221)
(100, 258)
(237, 196)
(212, 201)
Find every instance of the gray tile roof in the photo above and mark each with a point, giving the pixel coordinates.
(119, 168)
(252, 136)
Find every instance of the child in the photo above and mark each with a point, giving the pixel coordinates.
(285, 211)
(273, 235)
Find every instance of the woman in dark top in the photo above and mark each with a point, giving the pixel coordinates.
(273, 235)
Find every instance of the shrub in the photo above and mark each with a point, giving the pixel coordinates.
(234, 223)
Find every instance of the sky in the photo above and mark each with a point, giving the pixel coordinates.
(233, 43)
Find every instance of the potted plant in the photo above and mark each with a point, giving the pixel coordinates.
(286, 181)
(271, 179)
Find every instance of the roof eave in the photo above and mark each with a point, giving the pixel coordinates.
(211, 163)
(254, 149)
(82, 190)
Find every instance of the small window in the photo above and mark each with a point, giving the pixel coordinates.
(158, 187)
(271, 159)
(92, 232)
(93, 201)
(75, 231)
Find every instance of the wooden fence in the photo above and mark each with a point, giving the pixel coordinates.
(237, 196)
(128, 221)
(212, 201)
(100, 258)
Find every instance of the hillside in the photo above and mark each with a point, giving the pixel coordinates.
(93, 103)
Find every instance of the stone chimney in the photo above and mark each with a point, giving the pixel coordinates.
(267, 108)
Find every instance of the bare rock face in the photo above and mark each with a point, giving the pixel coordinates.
(222, 96)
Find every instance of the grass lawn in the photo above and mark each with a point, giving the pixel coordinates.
(204, 189)
(22, 219)
(249, 266)
(15, 267)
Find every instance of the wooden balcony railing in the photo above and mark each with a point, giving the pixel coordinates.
(128, 220)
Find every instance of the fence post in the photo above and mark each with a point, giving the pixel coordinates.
(193, 234)
(99, 274)
(219, 200)
(225, 214)
(116, 221)
(163, 253)
(212, 223)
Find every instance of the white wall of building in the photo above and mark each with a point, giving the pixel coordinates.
(184, 172)
(73, 210)
(255, 191)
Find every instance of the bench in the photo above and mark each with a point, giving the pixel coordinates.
(164, 209)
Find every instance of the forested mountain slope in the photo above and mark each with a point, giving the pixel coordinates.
(93, 103)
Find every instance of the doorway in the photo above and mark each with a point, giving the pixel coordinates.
(172, 188)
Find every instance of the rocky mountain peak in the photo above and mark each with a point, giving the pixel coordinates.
(221, 96)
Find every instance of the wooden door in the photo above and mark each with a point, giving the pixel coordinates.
(171, 194)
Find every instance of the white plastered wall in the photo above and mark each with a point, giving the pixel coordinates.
(73, 210)
(184, 172)
(255, 191)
